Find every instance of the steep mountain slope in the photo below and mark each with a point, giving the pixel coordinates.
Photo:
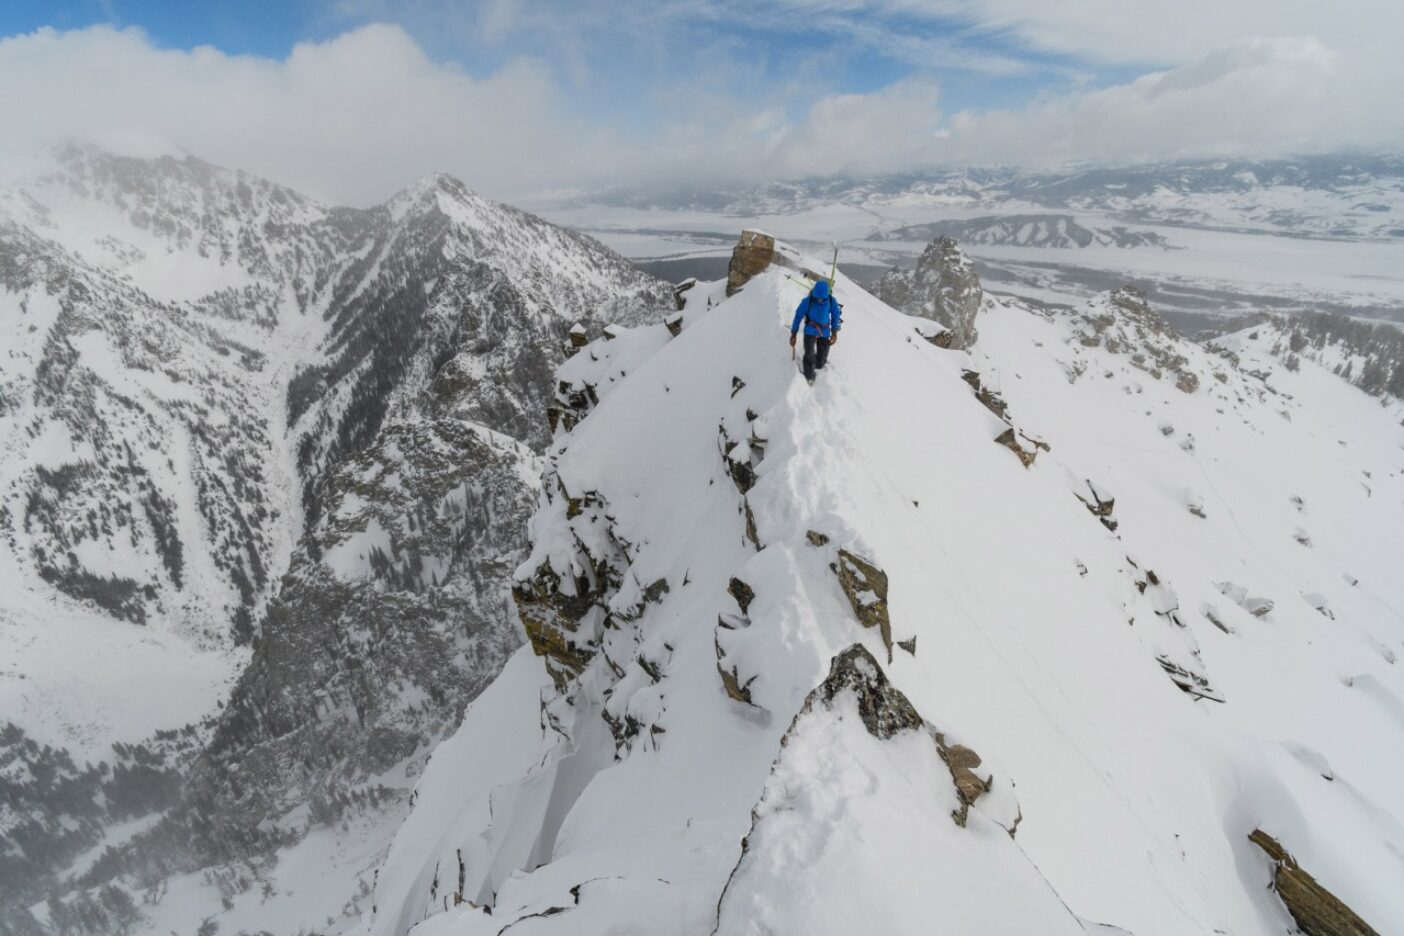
(160, 299)
(1020, 639)
(215, 381)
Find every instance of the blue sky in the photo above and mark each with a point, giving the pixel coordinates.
(848, 50)
(521, 95)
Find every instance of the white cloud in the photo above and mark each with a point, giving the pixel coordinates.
(1258, 97)
(355, 118)
(886, 131)
(1140, 31)
(352, 119)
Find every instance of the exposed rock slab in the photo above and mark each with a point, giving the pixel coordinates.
(866, 587)
(752, 254)
(1318, 912)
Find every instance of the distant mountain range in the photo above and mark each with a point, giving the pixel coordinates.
(1351, 196)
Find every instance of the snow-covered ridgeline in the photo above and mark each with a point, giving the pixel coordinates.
(1088, 713)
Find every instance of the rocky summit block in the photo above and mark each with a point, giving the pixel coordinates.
(752, 254)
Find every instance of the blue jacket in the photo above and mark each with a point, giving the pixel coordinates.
(819, 312)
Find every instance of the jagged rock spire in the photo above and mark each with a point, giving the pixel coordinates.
(943, 287)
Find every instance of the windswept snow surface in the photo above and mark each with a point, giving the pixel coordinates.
(617, 799)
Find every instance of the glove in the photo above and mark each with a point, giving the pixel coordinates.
(833, 339)
(792, 338)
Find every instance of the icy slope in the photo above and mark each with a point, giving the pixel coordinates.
(1067, 740)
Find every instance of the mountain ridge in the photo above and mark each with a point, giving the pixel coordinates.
(1073, 549)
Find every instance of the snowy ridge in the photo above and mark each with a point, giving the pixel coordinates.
(956, 637)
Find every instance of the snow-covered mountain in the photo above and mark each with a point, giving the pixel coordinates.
(1341, 195)
(1204, 240)
(231, 415)
(1084, 629)
(1025, 230)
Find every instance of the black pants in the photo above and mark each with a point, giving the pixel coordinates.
(816, 354)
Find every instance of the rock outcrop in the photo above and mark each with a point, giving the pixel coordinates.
(1317, 911)
(880, 758)
(752, 254)
(866, 587)
(1124, 323)
(943, 287)
(885, 711)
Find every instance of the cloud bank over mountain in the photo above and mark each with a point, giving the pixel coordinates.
(356, 116)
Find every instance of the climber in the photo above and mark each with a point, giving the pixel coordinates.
(822, 317)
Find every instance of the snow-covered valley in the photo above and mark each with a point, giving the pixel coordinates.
(1206, 241)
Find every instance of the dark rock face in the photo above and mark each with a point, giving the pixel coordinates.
(884, 709)
(1100, 504)
(752, 254)
(969, 785)
(866, 587)
(742, 592)
(988, 398)
(736, 685)
(1316, 910)
(551, 617)
(680, 295)
(1009, 440)
(563, 618)
(429, 610)
(885, 712)
(943, 287)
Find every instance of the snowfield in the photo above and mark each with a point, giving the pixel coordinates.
(1162, 613)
